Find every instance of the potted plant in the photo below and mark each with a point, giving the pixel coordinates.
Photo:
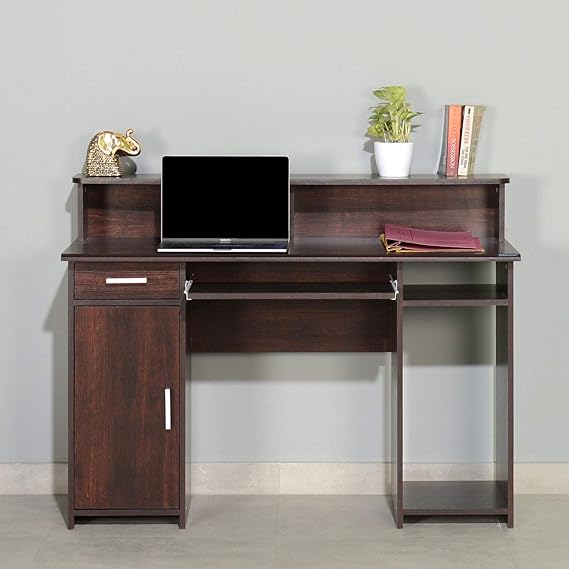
(391, 124)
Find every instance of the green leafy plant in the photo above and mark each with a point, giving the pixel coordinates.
(391, 119)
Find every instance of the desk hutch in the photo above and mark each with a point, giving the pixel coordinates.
(132, 329)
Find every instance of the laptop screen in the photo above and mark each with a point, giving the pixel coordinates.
(213, 198)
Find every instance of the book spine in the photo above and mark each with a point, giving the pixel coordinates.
(453, 142)
(442, 170)
(465, 139)
(476, 124)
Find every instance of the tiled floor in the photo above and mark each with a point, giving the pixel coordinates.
(283, 532)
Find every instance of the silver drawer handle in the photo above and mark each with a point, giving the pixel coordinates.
(167, 411)
(126, 280)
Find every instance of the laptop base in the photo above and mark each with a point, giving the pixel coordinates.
(166, 247)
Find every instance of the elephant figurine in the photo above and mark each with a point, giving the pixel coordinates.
(107, 154)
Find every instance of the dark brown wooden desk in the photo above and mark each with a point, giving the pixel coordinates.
(130, 339)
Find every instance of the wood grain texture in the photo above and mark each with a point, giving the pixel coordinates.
(500, 229)
(80, 212)
(363, 211)
(163, 281)
(226, 326)
(70, 399)
(135, 180)
(272, 280)
(125, 356)
(460, 498)
(184, 389)
(116, 513)
(504, 387)
(414, 180)
(320, 180)
(275, 272)
(115, 211)
(397, 406)
(305, 250)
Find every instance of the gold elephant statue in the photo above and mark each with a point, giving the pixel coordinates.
(107, 154)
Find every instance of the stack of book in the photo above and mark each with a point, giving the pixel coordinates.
(399, 239)
(460, 139)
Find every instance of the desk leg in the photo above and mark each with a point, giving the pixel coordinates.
(184, 382)
(397, 406)
(504, 389)
(71, 399)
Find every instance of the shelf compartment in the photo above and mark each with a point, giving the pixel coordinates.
(455, 498)
(455, 295)
(291, 291)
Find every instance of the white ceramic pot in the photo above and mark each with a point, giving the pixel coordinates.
(393, 159)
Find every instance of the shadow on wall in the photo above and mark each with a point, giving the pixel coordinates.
(57, 324)
(368, 148)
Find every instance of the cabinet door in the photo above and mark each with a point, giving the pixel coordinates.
(125, 359)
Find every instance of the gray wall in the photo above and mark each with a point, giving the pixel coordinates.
(292, 77)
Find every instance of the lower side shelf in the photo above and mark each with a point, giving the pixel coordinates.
(455, 498)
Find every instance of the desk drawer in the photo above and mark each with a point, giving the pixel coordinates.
(112, 281)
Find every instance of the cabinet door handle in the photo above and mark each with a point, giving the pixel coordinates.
(126, 280)
(167, 411)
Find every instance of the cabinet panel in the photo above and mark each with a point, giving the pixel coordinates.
(125, 359)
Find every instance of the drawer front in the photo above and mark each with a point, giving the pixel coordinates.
(118, 281)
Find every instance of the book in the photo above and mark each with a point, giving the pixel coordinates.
(465, 139)
(400, 239)
(453, 139)
(442, 169)
(476, 124)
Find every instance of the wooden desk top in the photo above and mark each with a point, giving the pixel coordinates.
(322, 180)
(304, 250)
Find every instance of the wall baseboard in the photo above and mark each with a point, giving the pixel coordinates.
(300, 478)
(24, 478)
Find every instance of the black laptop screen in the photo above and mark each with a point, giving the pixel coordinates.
(225, 197)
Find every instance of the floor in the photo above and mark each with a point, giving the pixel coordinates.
(282, 532)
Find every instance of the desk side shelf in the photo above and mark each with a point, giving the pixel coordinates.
(455, 498)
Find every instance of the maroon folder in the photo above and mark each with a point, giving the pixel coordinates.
(399, 239)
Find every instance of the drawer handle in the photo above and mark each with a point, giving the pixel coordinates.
(167, 411)
(126, 280)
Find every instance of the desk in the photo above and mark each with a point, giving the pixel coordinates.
(131, 329)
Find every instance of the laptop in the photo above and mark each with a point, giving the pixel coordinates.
(225, 204)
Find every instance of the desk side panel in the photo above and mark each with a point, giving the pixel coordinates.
(504, 388)
(397, 406)
(183, 390)
(70, 399)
